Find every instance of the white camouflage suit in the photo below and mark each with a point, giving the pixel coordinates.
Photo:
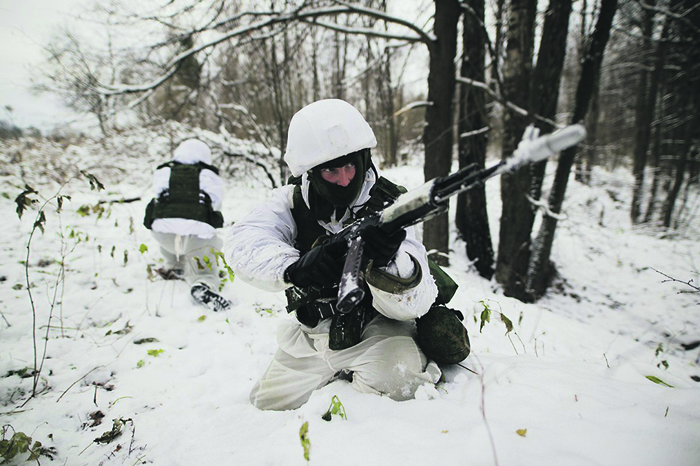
(387, 360)
(183, 242)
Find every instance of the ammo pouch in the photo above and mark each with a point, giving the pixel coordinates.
(442, 336)
(312, 306)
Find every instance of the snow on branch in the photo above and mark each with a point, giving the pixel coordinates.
(425, 37)
(504, 102)
(411, 106)
(270, 19)
(689, 283)
(545, 208)
(476, 132)
(362, 31)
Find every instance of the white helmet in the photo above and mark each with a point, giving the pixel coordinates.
(323, 131)
(192, 151)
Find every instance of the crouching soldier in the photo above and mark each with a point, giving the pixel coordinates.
(183, 218)
(283, 245)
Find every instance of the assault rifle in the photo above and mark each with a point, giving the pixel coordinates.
(431, 199)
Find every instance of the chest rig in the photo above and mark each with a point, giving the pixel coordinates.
(312, 305)
(184, 198)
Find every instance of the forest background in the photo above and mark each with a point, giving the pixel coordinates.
(456, 80)
(446, 83)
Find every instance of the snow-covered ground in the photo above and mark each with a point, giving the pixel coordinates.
(595, 373)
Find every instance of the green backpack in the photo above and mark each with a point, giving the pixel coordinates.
(184, 198)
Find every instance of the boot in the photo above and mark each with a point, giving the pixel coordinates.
(209, 298)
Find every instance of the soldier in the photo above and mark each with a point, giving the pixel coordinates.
(280, 246)
(183, 218)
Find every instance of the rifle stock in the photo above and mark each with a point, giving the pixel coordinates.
(432, 198)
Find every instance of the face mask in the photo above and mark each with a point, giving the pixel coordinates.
(334, 194)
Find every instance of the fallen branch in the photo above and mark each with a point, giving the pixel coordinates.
(672, 279)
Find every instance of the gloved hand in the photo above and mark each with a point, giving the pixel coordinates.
(381, 246)
(320, 267)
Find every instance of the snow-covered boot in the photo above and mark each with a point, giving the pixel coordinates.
(206, 296)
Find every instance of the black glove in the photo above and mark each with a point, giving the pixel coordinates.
(320, 267)
(381, 246)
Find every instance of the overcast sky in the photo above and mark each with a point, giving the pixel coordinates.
(25, 27)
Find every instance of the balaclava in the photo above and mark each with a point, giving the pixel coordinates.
(326, 197)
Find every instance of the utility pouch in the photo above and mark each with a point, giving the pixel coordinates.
(311, 305)
(447, 287)
(149, 217)
(442, 335)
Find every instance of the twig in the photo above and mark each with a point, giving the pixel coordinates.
(5, 319)
(71, 385)
(121, 201)
(672, 279)
(483, 413)
(465, 367)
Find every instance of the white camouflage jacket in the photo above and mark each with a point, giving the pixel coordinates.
(259, 248)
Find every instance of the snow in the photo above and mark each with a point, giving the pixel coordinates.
(567, 386)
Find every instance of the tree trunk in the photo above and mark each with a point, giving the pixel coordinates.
(539, 273)
(656, 167)
(646, 98)
(516, 214)
(546, 78)
(681, 162)
(659, 126)
(471, 217)
(438, 134)
(587, 160)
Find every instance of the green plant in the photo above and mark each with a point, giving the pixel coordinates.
(220, 257)
(262, 310)
(657, 380)
(659, 351)
(22, 443)
(26, 199)
(337, 408)
(485, 317)
(304, 439)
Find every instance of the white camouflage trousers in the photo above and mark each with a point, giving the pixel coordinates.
(188, 254)
(387, 361)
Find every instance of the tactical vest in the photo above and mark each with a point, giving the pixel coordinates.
(383, 194)
(309, 231)
(184, 198)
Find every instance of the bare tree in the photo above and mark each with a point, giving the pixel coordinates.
(439, 134)
(473, 129)
(517, 214)
(646, 100)
(540, 270)
(546, 79)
